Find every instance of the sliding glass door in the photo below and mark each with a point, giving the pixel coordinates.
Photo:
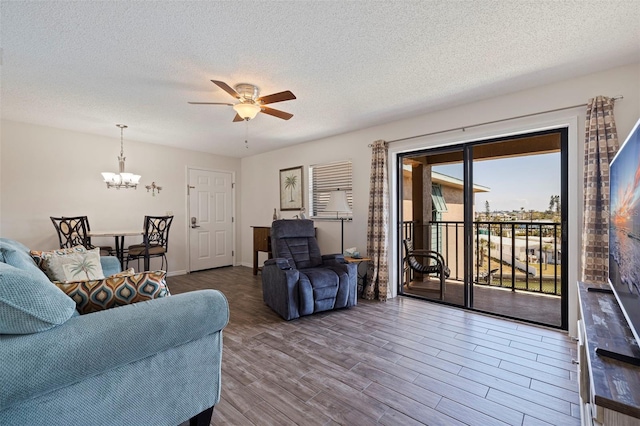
(493, 210)
(433, 212)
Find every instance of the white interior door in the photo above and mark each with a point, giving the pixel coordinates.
(211, 219)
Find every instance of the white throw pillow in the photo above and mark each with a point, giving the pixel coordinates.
(74, 266)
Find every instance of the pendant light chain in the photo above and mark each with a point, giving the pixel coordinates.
(122, 140)
(122, 127)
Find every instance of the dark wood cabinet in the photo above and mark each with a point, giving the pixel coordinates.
(261, 243)
(609, 389)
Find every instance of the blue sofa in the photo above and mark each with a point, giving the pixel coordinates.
(156, 362)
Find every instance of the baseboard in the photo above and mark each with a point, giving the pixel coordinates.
(173, 273)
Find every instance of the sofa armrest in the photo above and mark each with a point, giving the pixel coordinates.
(90, 344)
(110, 265)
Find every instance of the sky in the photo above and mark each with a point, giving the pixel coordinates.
(516, 182)
(625, 181)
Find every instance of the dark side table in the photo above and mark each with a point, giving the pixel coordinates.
(362, 277)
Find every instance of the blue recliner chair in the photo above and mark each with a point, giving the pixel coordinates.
(299, 280)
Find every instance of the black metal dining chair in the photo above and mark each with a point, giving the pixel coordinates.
(155, 241)
(73, 231)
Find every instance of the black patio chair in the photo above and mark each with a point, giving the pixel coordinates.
(427, 262)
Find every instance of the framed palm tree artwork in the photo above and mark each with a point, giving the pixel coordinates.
(291, 188)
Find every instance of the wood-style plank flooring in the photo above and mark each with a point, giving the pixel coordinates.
(528, 306)
(402, 362)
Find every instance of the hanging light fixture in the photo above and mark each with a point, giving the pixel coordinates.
(153, 188)
(247, 110)
(121, 179)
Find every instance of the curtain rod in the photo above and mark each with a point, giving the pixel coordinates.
(464, 128)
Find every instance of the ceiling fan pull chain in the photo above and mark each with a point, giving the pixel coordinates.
(246, 134)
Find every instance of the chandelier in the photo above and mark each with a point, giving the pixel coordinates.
(121, 179)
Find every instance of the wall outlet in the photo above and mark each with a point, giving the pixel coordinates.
(169, 213)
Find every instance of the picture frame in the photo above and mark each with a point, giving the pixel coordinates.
(291, 183)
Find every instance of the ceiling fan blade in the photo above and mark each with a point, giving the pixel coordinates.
(224, 86)
(237, 118)
(277, 97)
(209, 103)
(276, 113)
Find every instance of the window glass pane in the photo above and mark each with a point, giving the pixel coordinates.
(325, 178)
(438, 200)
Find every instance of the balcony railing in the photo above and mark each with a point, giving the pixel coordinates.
(515, 255)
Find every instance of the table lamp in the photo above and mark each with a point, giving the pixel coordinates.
(338, 203)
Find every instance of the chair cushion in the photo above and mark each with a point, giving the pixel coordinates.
(120, 289)
(138, 250)
(17, 257)
(110, 265)
(105, 251)
(318, 289)
(295, 241)
(292, 228)
(69, 265)
(301, 250)
(9, 243)
(29, 302)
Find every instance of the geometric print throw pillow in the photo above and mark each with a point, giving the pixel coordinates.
(116, 290)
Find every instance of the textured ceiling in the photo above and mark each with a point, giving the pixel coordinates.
(88, 65)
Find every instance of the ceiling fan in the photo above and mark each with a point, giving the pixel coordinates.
(251, 103)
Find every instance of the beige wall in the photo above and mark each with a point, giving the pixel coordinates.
(47, 171)
(52, 172)
(454, 197)
(260, 172)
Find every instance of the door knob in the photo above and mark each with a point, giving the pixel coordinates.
(193, 223)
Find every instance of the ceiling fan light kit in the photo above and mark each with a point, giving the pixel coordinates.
(247, 111)
(251, 103)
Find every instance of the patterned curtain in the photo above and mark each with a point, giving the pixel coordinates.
(378, 225)
(601, 144)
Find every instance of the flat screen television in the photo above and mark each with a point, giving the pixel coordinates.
(624, 229)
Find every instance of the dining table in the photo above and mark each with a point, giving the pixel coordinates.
(119, 240)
